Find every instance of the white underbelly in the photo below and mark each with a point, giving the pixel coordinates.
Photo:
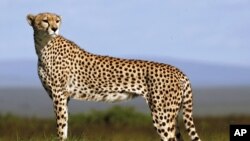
(81, 93)
(118, 97)
(107, 97)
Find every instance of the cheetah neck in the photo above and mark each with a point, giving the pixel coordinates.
(41, 40)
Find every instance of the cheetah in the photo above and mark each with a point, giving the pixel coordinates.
(69, 72)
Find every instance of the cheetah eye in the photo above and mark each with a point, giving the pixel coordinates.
(57, 21)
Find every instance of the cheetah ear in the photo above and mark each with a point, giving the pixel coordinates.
(60, 17)
(30, 19)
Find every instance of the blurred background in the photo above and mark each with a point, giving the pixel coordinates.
(209, 40)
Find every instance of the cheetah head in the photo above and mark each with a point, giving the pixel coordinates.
(45, 23)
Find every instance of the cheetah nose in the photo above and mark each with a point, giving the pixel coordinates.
(54, 29)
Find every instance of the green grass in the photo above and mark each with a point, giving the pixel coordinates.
(115, 124)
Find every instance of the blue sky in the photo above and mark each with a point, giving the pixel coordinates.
(208, 31)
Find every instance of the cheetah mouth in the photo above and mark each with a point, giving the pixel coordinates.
(53, 35)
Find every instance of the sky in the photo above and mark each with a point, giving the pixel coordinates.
(208, 31)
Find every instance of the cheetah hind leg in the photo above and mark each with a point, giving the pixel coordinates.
(164, 127)
(164, 122)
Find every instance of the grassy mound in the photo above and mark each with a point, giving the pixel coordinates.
(115, 124)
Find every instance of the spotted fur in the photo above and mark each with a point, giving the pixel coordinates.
(69, 72)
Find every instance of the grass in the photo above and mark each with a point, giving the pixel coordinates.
(115, 124)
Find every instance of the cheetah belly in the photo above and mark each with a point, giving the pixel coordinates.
(105, 97)
(116, 97)
(80, 93)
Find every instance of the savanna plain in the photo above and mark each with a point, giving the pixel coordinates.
(114, 124)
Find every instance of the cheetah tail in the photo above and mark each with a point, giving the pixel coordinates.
(188, 112)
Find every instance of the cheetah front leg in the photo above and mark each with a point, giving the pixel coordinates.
(61, 111)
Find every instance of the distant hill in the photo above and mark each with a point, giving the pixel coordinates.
(210, 75)
(207, 101)
(24, 73)
(19, 73)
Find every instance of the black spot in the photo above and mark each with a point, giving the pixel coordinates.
(196, 139)
(192, 133)
(178, 135)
